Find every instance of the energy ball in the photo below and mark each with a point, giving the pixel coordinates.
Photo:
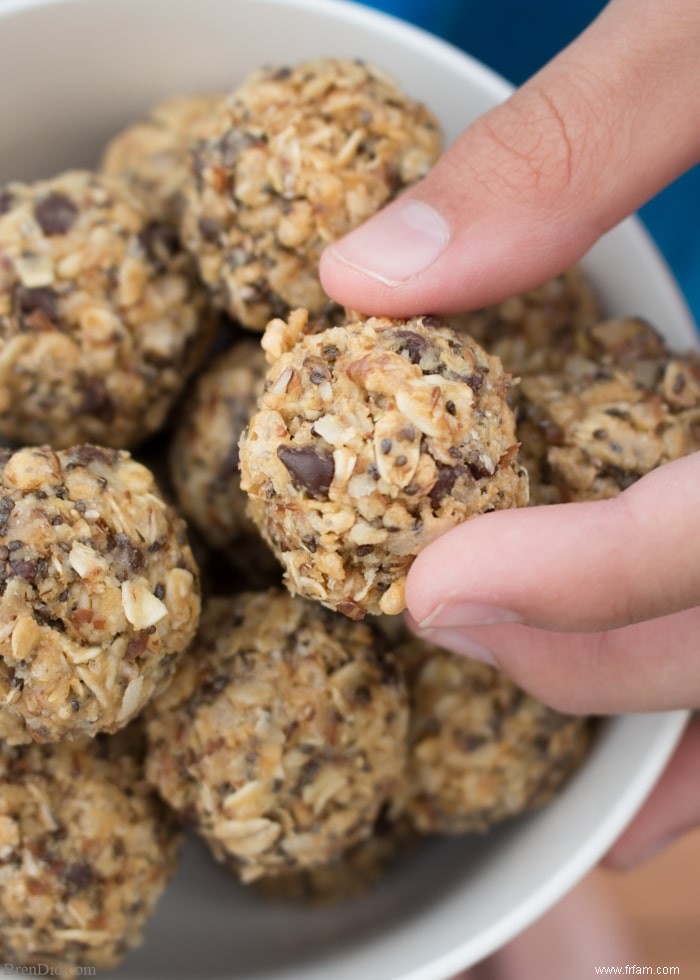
(204, 455)
(85, 852)
(352, 875)
(152, 154)
(538, 329)
(99, 592)
(282, 735)
(594, 428)
(371, 440)
(480, 749)
(291, 161)
(102, 319)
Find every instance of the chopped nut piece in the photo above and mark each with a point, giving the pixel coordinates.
(141, 607)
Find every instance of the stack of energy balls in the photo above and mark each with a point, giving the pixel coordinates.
(304, 736)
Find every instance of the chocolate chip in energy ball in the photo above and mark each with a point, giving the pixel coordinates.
(55, 214)
(6, 201)
(446, 479)
(160, 243)
(95, 400)
(413, 344)
(310, 469)
(43, 298)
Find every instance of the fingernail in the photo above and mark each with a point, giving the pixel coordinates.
(468, 614)
(397, 244)
(458, 642)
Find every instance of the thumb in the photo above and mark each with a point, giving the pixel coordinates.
(531, 185)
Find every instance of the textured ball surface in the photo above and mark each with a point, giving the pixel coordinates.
(282, 735)
(372, 439)
(291, 161)
(99, 592)
(102, 318)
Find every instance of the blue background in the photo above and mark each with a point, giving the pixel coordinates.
(515, 38)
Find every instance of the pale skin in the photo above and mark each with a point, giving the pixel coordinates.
(593, 607)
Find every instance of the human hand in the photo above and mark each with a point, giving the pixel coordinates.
(593, 606)
(531, 185)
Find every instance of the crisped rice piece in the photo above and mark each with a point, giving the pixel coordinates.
(534, 331)
(102, 318)
(152, 154)
(85, 852)
(594, 428)
(371, 440)
(204, 453)
(291, 161)
(352, 875)
(282, 735)
(100, 592)
(480, 749)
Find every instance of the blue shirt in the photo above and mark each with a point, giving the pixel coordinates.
(516, 38)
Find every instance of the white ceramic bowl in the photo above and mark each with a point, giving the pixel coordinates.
(71, 73)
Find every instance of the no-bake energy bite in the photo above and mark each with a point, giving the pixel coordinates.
(85, 852)
(352, 875)
(101, 315)
(282, 735)
(536, 330)
(480, 749)
(204, 454)
(611, 415)
(99, 592)
(371, 440)
(152, 154)
(291, 161)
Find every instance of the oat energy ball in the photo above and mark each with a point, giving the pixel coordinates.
(536, 330)
(611, 415)
(352, 875)
(291, 161)
(99, 592)
(282, 735)
(101, 315)
(204, 455)
(85, 852)
(480, 749)
(152, 154)
(371, 440)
